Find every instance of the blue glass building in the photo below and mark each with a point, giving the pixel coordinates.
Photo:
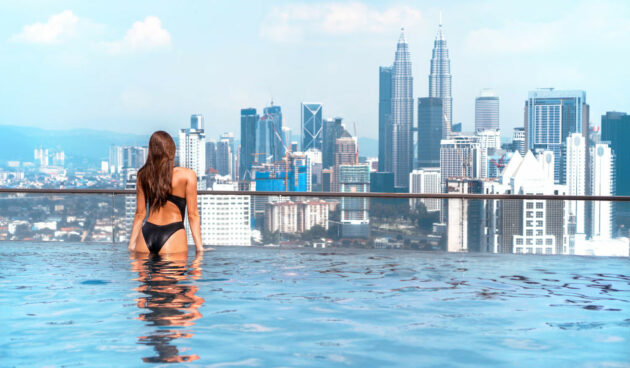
(312, 126)
(550, 116)
(249, 120)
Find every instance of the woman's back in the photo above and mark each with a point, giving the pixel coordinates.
(170, 212)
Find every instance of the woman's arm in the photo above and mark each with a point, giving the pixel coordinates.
(194, 220)
(138, 219)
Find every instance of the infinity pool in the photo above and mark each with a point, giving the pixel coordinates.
(94, 305)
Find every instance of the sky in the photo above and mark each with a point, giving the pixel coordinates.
(140, 66)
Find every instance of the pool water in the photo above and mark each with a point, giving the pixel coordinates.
(94, 305)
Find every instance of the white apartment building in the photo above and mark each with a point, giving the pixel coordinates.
(192, 150)
(425, 180)
(575, 179)
(489, 143)
(225, 219)
(602, 184)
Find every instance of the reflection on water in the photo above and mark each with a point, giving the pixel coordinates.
(170, 305)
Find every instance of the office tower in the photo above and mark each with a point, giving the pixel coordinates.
(315, 168)
(518, 140)
(355, 221)
(312, 129)
(211, 155)
(269, 140)
(526, 226)
(384, 116)
(402, 114)
(346, 153)
(430, 131)
(192, 150)
(249, 120)
(602, 184)
(616, 130)
(225, 219)
(196, 121)
(550, 116)
(576, 179)
(224, 157)
(489, 144)
(465, 217)
(423, 181)
(382, 182)
(440, 80)
(41, 157)
(333, 129)
(487, 110)
(460, 157)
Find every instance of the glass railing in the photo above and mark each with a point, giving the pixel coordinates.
(528, 224)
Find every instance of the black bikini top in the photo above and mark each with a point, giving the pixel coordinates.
(179, 202)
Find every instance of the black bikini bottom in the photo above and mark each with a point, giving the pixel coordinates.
(156, 235)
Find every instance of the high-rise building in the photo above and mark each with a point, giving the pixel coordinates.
(192, 150)
(130, 181)
(402, 114)
(269, 140)
(602, 184)
(550, 116)
(196, 122)
(225, 219)
(487, 110)
(296, 217)
(346, 150)
(211, 155)
(489, 144)
(224, 157)
(312, 125)
(465, 218)
(460, 157)
(440, 80)
(518, 140)
(355, 220)
(423, 181)
(249, 120)
(616, 130)
(333, 129)
(526, 226)
(41, 156)
(576, 180)
(430, 131)
(384, 116)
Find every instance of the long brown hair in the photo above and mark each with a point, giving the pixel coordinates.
(156, 174)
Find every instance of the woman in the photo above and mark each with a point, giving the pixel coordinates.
(167, 190)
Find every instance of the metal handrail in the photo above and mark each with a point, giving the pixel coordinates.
(340, 194)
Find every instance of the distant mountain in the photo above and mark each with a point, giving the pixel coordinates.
(368, 147)
(18, 142)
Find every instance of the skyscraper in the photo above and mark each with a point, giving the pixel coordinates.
(602, 184)
(384, 116)
(192, 149)
(224, 157)
(355, 220)
(576, 179)
(460, 157)
(346, 149)
(402, 114)
(489, 144)
(487, 110)
(440, 80)
(269, 134)
(550, 116)
(312, 129)
(616, 130)
(249, 120)
(333, 129)
(211, 155)
(429, 131)
(518, 140)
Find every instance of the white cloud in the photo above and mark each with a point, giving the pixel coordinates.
(57, 28)
(290, 23)
(142, 36)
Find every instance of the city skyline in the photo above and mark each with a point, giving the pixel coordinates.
(67, 65)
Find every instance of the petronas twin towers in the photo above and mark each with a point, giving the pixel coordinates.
(396, 106)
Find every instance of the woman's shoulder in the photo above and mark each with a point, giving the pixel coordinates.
(184, 171)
